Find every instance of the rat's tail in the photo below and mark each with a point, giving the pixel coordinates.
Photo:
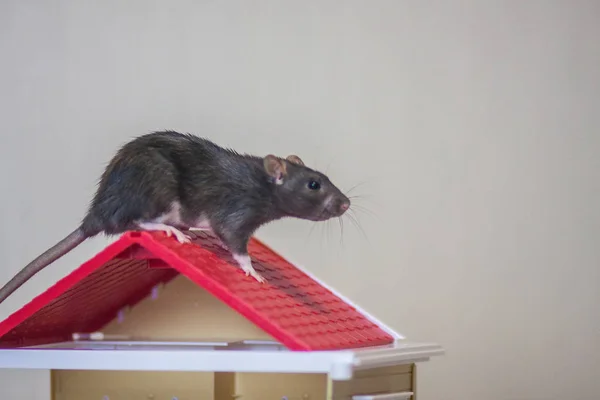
(73, 240)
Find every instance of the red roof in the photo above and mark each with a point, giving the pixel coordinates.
(291, 306)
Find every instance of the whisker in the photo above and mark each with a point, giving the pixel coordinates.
(354, 187)
(364, 211)
(341, 231)
(361, 207)
(358, 207)
(312, 228)
(366, 197)
(322, 235)
(362, 199)
(355, 222)
(359, 196)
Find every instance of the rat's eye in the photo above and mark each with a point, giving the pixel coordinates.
(314, 185)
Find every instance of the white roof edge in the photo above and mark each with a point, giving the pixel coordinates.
(173, 360)
(368, 315)
(337, 364)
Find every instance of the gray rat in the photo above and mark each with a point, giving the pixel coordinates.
(169, 181)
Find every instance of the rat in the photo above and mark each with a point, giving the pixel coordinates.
(170, 181)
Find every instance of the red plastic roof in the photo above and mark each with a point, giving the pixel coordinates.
(291, 307)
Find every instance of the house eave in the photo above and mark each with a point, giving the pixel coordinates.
(148, 356)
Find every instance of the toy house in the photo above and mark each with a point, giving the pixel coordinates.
(151, 318)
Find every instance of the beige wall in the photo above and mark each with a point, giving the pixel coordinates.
(474, 124)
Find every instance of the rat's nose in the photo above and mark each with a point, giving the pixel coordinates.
(345, 206)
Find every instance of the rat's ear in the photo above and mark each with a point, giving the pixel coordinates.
(275, 167)
(295, 159)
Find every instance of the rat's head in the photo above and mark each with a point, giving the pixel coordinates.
(302, 192)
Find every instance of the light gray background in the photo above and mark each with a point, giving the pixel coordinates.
(474, 125)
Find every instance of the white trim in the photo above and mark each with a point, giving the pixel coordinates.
(400, 353)
(176, 360)
(148, 356)
(369, 316)
(387, 396)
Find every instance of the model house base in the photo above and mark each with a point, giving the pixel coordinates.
(392, 383)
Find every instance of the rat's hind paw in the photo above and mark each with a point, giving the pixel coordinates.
(180, 236)
(246, 265)
(256, 275)
(168, 229)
